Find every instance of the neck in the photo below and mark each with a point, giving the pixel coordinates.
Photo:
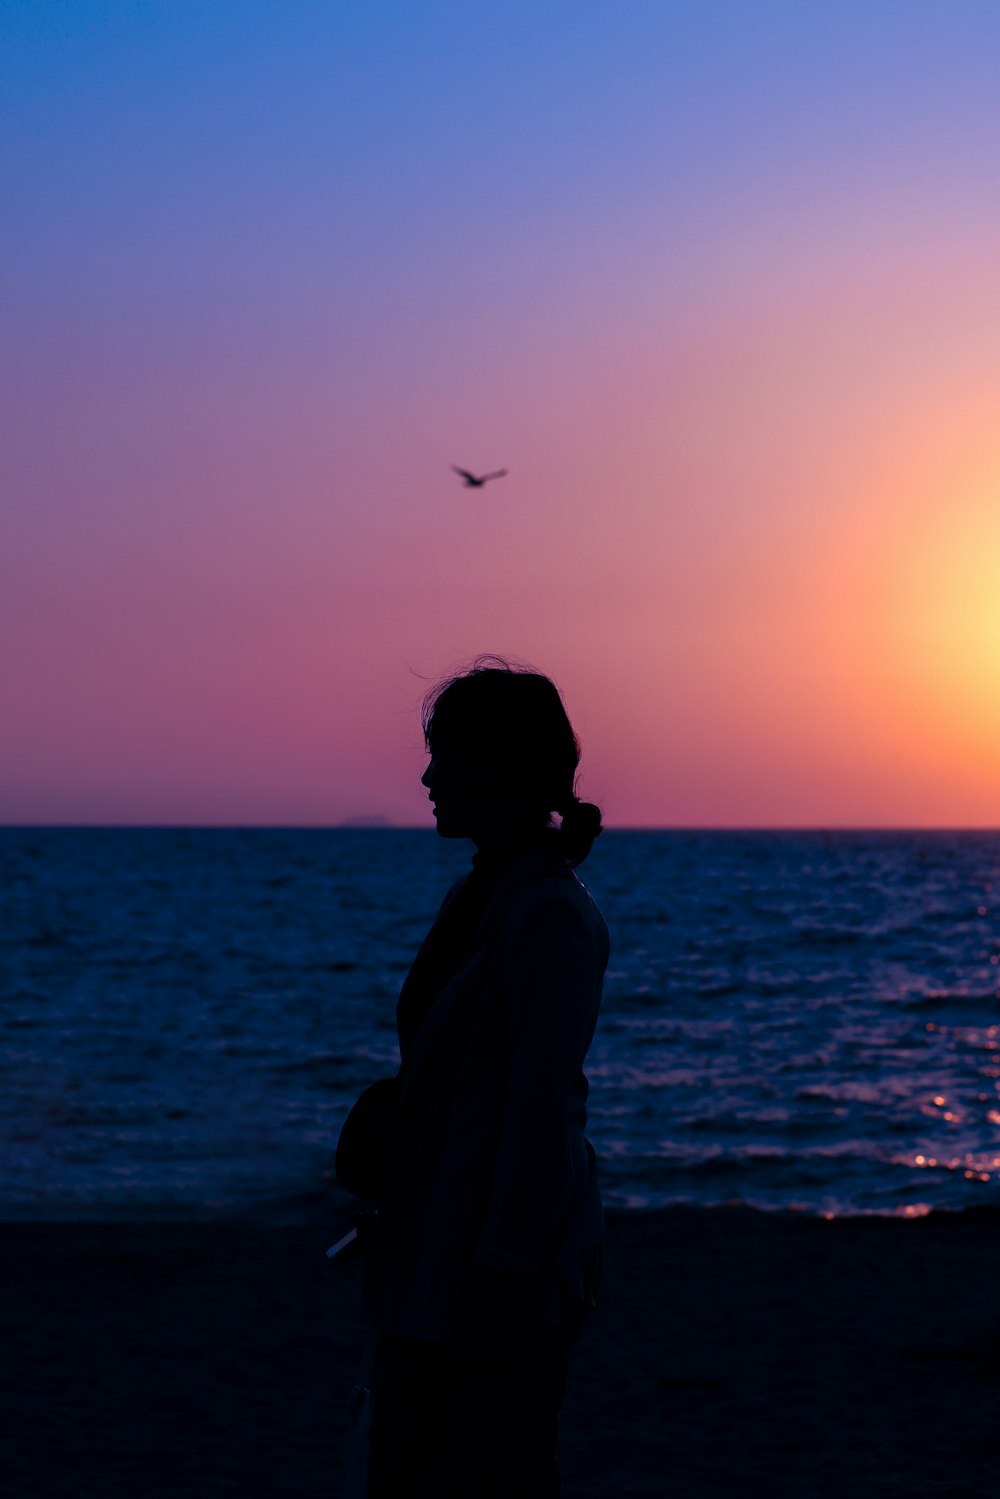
(505, 843)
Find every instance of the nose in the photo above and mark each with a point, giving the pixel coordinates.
(425, 779)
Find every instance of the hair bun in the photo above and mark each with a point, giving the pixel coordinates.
(581, 824)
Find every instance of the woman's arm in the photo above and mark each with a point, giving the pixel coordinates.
(555, 970)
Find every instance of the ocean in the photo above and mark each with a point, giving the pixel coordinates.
(799, 1020)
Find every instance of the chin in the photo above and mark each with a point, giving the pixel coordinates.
(448, 829)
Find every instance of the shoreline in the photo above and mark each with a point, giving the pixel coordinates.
(331, 1205)
(734, 1350)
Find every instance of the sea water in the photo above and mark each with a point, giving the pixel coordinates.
(794, 1019)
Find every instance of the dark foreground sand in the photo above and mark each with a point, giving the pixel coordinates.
(734, 1353)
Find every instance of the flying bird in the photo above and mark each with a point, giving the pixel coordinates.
(476, 481)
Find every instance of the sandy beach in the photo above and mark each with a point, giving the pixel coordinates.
(734, 1352)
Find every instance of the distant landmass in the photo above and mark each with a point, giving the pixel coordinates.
(373, 820)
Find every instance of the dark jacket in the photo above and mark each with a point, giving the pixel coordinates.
(491, 1170)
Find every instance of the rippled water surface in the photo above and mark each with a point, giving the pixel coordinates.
(799, 1019)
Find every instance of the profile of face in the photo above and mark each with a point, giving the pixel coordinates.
(460, 791)
(470, 797)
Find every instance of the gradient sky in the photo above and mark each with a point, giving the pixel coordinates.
(719, 283)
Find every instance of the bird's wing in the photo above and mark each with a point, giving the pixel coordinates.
(500, 473)
(464, 473)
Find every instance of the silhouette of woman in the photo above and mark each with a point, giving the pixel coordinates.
(485, 1252)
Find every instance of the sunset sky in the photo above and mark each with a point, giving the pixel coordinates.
(719, 284)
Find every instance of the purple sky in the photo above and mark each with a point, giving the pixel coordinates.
(718, 283)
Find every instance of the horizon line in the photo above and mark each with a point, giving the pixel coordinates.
(415, 827)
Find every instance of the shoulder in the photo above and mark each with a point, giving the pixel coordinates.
(557, 905)
(452, 891)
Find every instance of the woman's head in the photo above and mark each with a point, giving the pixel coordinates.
(504, 758)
